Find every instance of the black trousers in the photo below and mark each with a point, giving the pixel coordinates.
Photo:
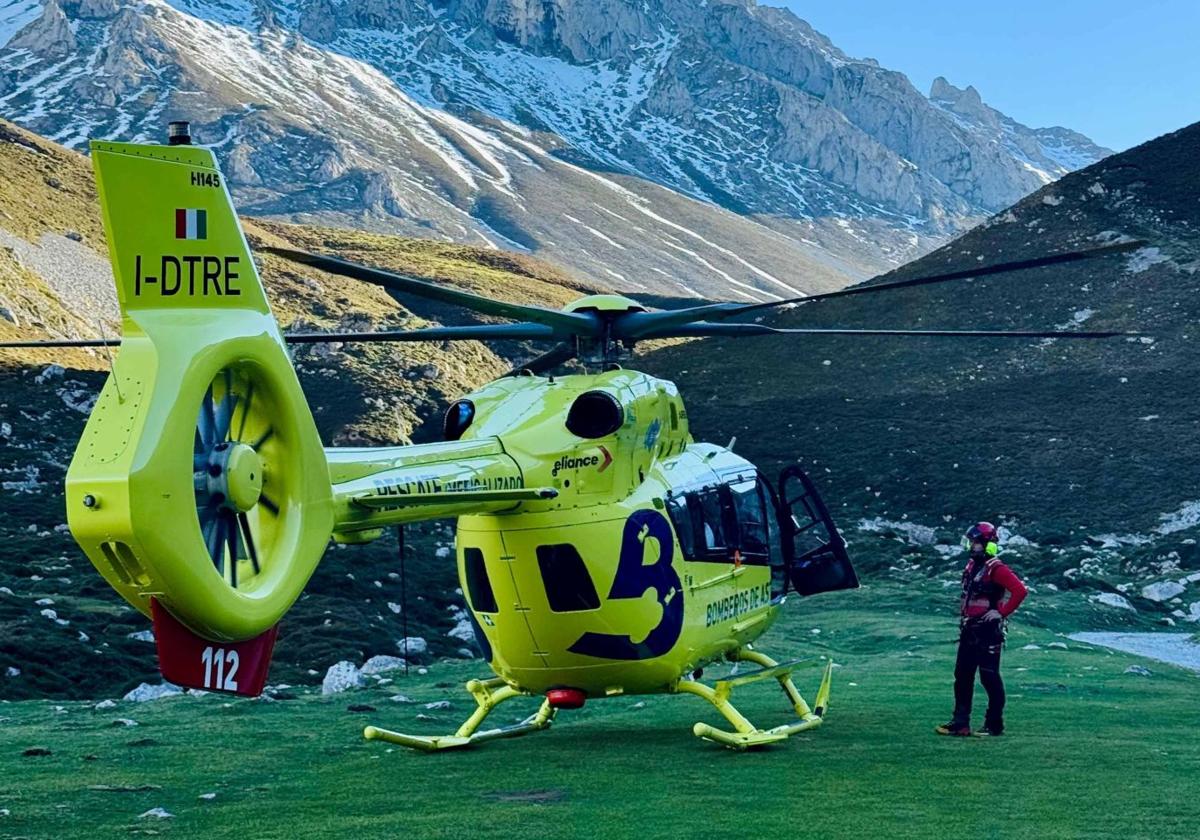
(979, 650)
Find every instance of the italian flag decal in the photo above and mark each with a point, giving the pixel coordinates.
(191, 224)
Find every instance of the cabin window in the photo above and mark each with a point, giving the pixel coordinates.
(479, 585)
(569, 587)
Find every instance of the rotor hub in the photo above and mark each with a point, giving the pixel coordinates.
(234, 474)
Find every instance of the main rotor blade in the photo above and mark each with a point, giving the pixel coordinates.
(563, 322)
(707, 329)
(547, 361)
(65, 342)
(929, 280)
(479, 332)
(641, 325)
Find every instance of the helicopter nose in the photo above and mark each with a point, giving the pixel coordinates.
(566, 698)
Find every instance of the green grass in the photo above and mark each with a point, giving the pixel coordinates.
(1091, 752)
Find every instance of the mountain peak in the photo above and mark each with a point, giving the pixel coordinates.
(722, 148)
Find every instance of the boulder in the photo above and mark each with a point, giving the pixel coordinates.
(1164, 590)
(342, 676)
(146, 691)
(380, 664)
(412, 646)
(1112, 599)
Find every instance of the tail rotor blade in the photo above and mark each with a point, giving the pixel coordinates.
(248, 541)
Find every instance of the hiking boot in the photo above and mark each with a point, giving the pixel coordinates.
(990, 731)
(959, 730)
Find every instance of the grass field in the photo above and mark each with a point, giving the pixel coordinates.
(1091, 752)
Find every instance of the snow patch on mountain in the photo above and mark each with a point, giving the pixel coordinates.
(15, 15)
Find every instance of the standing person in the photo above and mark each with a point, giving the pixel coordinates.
(982, 616)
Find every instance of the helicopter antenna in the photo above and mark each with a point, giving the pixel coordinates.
(112, 365)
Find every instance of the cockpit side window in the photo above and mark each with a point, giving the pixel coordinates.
(685, 530)
(712, 540)
(753, 539)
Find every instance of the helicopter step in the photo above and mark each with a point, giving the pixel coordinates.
(746, 734)
(488, 694)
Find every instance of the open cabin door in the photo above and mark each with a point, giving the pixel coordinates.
(814, 552)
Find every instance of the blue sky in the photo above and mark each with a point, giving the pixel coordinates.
(1120, 72)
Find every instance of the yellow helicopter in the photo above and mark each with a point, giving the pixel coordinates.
(601, 549)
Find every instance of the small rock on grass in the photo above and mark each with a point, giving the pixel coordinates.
(401, 698)
(207, 797)
(360, 707)
(1138, 670)
(36, 751)
(105, 704)
(438, 705)
(125, 788)
(157, 813)
(1058, 645)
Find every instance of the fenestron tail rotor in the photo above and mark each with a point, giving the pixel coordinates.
(232, 473)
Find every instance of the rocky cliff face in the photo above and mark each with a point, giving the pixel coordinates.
(716, 148)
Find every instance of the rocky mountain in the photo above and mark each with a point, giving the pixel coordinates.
(1086, 450)
(719, 149)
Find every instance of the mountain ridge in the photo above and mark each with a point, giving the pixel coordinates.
(725, 150)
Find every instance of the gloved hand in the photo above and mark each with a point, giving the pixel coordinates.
(992, 615)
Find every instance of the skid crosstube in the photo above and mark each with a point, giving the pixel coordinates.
(488, 695)
(746, 734)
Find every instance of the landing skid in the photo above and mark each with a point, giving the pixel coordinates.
(746, 734)
(488, 694)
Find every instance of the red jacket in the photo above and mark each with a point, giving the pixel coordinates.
(985, 585)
